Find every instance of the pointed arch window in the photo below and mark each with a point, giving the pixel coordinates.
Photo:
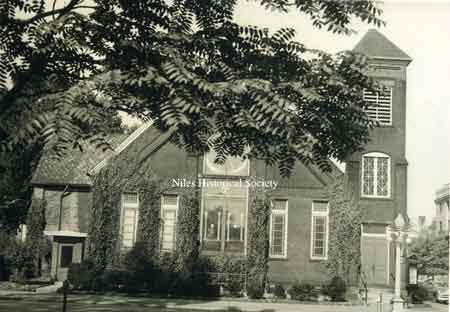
(376, 175)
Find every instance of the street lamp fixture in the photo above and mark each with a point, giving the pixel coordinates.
(398, 232)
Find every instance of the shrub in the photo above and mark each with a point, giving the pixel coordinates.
(85, 275)
(21, 261)
(335, 289)
(196, 282)
(302, 292)
(234, 286)
(233, 272)
(255, 291)
(418, 294)
(114, 280)
(143, 271)
(279, 291)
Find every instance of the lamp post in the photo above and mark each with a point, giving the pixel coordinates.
(398, 233)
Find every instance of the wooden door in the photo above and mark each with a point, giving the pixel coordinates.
(374, 260)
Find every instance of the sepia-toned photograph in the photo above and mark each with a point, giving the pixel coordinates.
(224, 155)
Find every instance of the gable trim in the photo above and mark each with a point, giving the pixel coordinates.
(121, 146)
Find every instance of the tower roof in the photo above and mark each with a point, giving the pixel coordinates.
(376, 45)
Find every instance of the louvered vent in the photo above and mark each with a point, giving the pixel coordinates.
(380, 106)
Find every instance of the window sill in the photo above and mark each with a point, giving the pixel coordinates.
(314, 259)
(222, 177)
(278, 258)
(384, 126)
(376, 198)
(222, 253)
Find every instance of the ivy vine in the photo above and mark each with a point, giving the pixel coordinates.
(344, 252)
(258, 244)
(35, 243)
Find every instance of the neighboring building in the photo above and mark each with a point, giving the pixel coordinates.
(441, 201)
(299, 215)
(422, 223)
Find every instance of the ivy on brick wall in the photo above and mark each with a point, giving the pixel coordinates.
(344, 233)
(187, 233)
(258, 244)
(149, 223)
(105, 219)
(35, 244)
(125, 174)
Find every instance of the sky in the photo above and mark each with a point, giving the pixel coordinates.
(422, 30)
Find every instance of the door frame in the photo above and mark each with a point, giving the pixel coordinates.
(388, 256)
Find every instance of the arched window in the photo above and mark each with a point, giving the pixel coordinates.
(376, 175)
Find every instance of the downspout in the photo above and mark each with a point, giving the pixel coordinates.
(63, 194)
(198, 198)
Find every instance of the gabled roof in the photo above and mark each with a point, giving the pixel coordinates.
(73, 167)
(122, 146)
(376, 45)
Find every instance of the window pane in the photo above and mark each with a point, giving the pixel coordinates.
(168, 229)
(319, 236)
(169, 222)
(235, 220)
(127, 243)
(224, 215)
(278, 234)
(382, 176)
(368, 175)
(320, 206)
(279, 204)
(233, 166)
(213, 211)
(130, 198)
(130, 205)
(128, 226)
(170, 200)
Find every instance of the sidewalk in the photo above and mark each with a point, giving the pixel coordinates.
(120, 302)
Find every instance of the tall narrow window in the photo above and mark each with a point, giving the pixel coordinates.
(319, 230)
(130, 211)
(376, 175)
(278, 229)
(169, 211)
(379, 106)
(224, 216)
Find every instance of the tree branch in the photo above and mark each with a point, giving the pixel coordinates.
(92, 7)
(62, 11)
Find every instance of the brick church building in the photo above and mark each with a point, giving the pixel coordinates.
(299, 219)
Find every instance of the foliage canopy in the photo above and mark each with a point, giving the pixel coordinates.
(430, 252)
(189, 66)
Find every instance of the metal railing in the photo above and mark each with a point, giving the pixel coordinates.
(363, 282)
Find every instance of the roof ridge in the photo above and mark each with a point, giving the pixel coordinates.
(376, 45)
(122, 146)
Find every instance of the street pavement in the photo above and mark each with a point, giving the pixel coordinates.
(96, 303)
